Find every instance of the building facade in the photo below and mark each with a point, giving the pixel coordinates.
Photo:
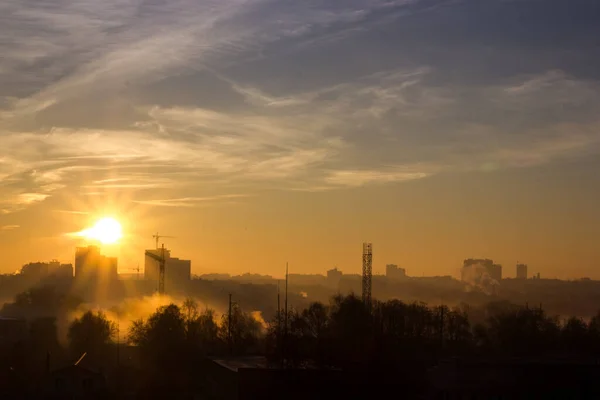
(334, 276)
(178, 272)
(392, 271)
(476, 269)
(91, 265)
(521, 271)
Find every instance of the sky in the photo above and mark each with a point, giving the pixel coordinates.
(260, 132)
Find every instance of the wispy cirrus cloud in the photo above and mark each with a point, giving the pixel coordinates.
(316, 140)
(356, 178)
(139, 96)
(9, 227)
(191, 201)
(72, 212)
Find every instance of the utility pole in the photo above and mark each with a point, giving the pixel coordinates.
(279, 325)
(278, 310)
(118, 342)
(286, 298)
(442, 325)
(118, 377)
(285, 318)
(229, 327)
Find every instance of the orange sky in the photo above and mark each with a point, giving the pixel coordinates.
(427, 226)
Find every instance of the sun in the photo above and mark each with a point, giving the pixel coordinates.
(106, 231)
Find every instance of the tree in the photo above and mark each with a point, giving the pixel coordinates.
(575, 336)
(161, 338)
(351, 326)
(208, 331)
(42, 301)
(91, 334)
(241, 333)
(201, 328)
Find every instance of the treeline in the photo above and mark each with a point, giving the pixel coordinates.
(344, 333)
(347, 334)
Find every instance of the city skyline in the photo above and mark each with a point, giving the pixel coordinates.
(265, 132)
(394, 271)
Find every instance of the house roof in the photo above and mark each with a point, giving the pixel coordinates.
(233, 364)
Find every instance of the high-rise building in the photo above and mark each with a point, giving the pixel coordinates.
(334, 276)
(392, 271)
(521, 271)
(473, 267)
(91, 265)
(177, 272)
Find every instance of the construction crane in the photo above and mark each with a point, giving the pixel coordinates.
(136, 270)
(157, 237)
(161, 269)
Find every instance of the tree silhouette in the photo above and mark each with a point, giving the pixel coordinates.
(91, 333)
(241, 333)
(201, 328)
(161, 338)
(42, 301)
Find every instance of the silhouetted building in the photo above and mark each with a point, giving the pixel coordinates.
(243, 378)
(43, 270)
(177, 272)
(392, 271)
(495, 272)
(306, 279)
(334, 276)
(474, 269)
(521, 271)
(74, 382)
(91, 265)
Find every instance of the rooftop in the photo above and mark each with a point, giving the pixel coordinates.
(233, 364)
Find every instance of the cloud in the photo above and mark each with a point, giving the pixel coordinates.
(292, 95)
(16, 201)
(355, 178)
(312, 145)
(9, 227)
(100, 47)
(191, 201)
(72, 212)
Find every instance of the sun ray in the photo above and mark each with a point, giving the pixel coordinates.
(107, 231)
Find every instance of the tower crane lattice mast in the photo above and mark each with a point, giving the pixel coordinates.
(157, 238)
(161, 264)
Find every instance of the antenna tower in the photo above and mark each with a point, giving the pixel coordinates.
(367, 273)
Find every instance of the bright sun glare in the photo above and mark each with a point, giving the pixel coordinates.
(106, 230)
